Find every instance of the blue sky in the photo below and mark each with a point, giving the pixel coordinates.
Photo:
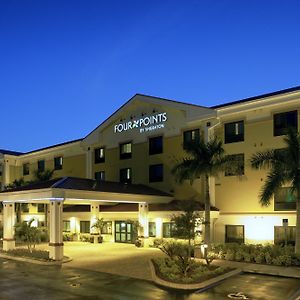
(65, 66)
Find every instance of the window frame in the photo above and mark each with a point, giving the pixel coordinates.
(229, 173)
(151, 145)
(98, 158)
(237, 240)
(81, 226)
(125, 155)
(43, 164)
(235, 137)
(127, 180)
(26, 169)
(171, 229)
(187, 141)
(102, 178)
(152, 177)
(60, 166)
(283, 130)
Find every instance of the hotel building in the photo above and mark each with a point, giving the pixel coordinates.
(121, 172)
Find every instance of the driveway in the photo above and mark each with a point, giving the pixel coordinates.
(114, 258)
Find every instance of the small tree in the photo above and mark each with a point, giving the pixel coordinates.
(187, 221)
(99, 225)
(29, 234)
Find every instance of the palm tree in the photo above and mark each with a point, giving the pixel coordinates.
(284, 169)
(204, 160)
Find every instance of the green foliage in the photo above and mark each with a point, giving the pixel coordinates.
(99, 225)
(36, 254)
(68, 236)
(168, 270)
(269, 254)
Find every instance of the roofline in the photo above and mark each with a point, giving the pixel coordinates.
(143, 95)
(259, 97)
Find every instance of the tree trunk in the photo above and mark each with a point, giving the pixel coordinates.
(297, 245)
(207, 213)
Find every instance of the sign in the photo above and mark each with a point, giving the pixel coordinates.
(144, 124)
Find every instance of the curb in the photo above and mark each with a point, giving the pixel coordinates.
(35, 261)
(191, 286)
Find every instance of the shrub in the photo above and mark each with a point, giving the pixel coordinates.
(230, 255)
(37, 254)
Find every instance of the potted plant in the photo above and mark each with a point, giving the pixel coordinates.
(98, 225)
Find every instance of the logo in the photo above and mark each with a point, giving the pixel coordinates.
(143, 124)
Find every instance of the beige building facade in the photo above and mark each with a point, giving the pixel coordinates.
(140, 144)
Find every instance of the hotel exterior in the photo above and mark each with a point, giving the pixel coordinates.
(121, 172)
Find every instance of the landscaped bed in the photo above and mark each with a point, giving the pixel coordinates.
(40, 255)
(167, 269)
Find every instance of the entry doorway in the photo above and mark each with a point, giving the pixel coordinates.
(124, 232)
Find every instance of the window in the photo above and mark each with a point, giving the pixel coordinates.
(1, 169)
(190, 136)
(125, 175)
(156, 173)
(285, 120)
(107, 228)
(284, 199)
(41, 208)
(26, 169)
(284, 235)
(234, 132)
(234, 234)
(152, 229)
(99, 155)
(100, 176)
(238, 165)
(168, 229)
(66, 226)
(41, 165)
(84, 226)
(58, 163)
(125, 150)
(155, 145)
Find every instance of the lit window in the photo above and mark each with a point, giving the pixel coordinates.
(26, 169)
(84, 226)
(99, 155)
(125, 175)
(234, 132)
(284, 121)
(152, 229)
(58, 163)
(125, 150)
(168, 229)
(66, 226)
(107, 228)
(190, 136)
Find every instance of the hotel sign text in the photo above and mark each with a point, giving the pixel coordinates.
(144, 124)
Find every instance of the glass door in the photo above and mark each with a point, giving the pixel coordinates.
(123, 232)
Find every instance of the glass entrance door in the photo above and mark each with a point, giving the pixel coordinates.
(123, 232)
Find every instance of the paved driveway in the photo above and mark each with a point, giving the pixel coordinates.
(114, 258)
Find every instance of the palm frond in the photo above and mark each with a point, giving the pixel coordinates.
(266, 159)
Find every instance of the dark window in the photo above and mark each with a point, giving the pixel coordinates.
(285, 120)
(168, 229)
(155, 145)
(76, 208)
(26, 169)
(58, 163)
(84, 226)
(99, 155)
(107, 228)
(190, 136)
(237, 167)
(156, 173)
(234, 234)
(125, 150)
(284, 199)
(41, 165)
(234, 132)
(66, 226)
(284, 235)
(41, 208)
(125, 175)
(1, 169)
(152, 229)
(100, 176)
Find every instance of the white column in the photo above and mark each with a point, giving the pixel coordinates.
(8, 226)
(89, 163)
(94, 217)
(158, 225)
(143, 219)
(56, 245)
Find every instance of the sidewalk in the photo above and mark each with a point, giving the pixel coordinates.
(261, 269)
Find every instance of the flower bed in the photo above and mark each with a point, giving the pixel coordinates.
(35, 254)
(269, 254)
(166, 269)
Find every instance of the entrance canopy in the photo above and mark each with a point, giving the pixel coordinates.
(74, 190)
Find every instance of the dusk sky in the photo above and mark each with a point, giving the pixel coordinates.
(65, 66)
